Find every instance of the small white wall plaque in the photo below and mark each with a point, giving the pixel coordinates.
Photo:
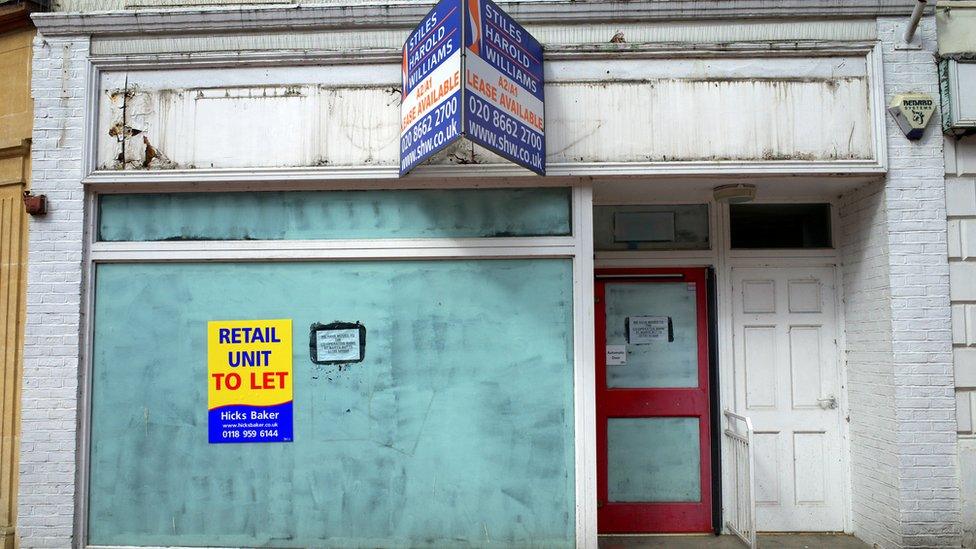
(616, 355)
(642, 330)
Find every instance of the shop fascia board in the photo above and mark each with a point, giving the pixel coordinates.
(354, 176)
(401, 14)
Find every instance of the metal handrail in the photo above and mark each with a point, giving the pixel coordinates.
(741, 518)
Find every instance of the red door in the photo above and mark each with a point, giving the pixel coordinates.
(653, 431)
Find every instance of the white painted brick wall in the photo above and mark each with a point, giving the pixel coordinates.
(921, 334)
(870, 378)
(46, 503)
(899, 333)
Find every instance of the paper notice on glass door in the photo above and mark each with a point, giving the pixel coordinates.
(642, 330)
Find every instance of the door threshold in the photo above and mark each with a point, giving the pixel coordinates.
(660, 535)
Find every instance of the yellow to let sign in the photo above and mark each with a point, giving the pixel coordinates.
(249, 380)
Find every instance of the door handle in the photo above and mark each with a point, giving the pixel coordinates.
(828, 403)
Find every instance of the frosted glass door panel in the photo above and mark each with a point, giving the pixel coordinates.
(653, 459)
(668, 359)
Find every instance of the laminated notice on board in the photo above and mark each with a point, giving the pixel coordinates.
(337, 343)
(642, 330)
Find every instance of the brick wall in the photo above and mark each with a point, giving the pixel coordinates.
(903, 447)
(51, 349)
(870, 377)
(921, 325)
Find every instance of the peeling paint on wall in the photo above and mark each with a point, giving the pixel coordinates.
(131, 119)
(664, 111)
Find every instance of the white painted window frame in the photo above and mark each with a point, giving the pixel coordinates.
(578, 247)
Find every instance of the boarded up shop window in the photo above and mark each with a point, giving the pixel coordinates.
(456, 428)
(306, 215)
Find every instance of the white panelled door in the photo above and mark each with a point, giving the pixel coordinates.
(786, 380)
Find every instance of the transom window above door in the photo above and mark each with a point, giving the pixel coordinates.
(651, 227)
(779, 226)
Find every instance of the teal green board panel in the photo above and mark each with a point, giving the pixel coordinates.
(659, 363)
(653, 459)
(308, 215)
(456, 430)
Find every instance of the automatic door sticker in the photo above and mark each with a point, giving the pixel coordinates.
(616, 355)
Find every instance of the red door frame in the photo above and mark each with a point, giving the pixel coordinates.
(666, 402)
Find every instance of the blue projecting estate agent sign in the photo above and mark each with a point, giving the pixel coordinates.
(489, 91)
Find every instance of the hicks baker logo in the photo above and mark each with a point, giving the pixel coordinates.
(474, 14)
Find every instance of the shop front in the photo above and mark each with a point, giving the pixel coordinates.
(267, 333)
